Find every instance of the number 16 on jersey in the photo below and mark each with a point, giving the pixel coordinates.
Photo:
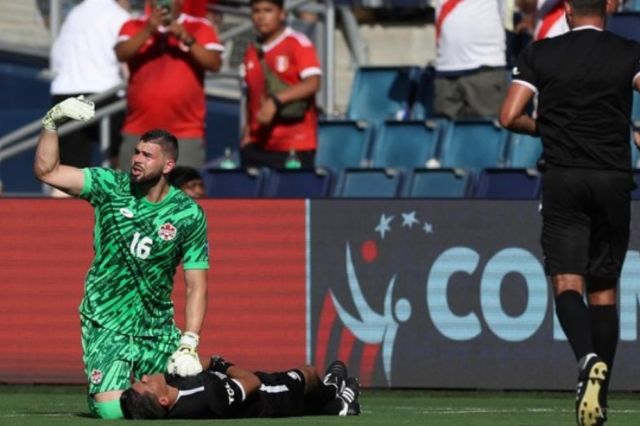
(140, 247)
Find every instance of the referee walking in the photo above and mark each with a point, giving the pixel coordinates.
(584, 81)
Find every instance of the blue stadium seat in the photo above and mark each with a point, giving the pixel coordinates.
(438, 183)
(234, 183)
(625, 24)
(635, 194)
(509, 184)
(300, 183)
(632, 5)
(342, 144)
(380, 93)
(474, 145)
(369, 183)
(524, 151)
(635, 112)
(422, 107)
(406, 144)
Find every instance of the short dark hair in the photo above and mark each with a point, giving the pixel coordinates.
(166, 140)
(137, 406)
(589, 7)
(279, 3)
(183, 174)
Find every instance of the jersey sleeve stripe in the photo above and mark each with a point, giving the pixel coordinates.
(123, 37)
(308, 72)
(533, 88)
(244, 392)
(195, 265)
(214, 46)
(86, 185)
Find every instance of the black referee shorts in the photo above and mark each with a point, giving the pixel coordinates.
(585, 221)
(281, 394)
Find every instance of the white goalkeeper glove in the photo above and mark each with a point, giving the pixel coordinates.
(185, 361)
(71, 108)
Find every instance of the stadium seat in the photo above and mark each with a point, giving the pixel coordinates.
(234, 183)
(635, 194)
(473, 145)
(509, 184)
(342, 144)
(625, 24)
(422, 107)
(406, 144)
(300, 183)
(524, 151)
(380, 93)
(438, 183)
(632, 5)
(635, 112)
(369, 183)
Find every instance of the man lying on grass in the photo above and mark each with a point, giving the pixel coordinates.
(224, 391)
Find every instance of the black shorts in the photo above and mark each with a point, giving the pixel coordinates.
(281, 395)
(585, 221)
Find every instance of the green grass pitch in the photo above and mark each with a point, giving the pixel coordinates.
(65, 405)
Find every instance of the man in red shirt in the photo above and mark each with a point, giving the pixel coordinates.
(270, 135)
(167, 53)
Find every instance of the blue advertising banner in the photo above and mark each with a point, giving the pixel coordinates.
(446, 294)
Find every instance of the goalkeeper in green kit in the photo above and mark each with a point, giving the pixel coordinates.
(143, 229)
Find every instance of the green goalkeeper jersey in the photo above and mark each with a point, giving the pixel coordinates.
(138, 245)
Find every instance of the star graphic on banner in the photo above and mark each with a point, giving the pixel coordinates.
(409, 219)
(383, 227)
(428, 228)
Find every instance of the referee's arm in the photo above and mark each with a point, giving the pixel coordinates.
(512, 114)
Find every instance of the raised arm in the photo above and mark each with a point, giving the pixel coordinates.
(127, 49)
(46, 165)
(206, 58)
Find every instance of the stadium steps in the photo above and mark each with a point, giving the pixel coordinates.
(21, 23)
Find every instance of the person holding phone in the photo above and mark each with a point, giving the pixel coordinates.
(167, 53)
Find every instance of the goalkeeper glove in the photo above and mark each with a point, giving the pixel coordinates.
(185, 361)
(74, 108)
(219, 364)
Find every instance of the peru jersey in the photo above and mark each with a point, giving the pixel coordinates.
(292, 58)
(138, 245)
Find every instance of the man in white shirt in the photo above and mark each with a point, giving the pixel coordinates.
(84, 63)
(471, 79)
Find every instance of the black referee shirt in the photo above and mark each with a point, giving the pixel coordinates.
(207, 395)
(584, 81)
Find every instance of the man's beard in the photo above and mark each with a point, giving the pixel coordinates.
(146, 181)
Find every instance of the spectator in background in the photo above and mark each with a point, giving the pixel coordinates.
(282, 74)
(471, 79)
(549, 16)
(84, 63)
(188, 180)
(168, 53)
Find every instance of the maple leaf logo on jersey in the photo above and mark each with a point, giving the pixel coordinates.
(96, 377)
(167, 232)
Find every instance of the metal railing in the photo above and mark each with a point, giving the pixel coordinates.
(26, 137)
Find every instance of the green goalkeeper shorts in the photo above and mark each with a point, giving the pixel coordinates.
(111, 359)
